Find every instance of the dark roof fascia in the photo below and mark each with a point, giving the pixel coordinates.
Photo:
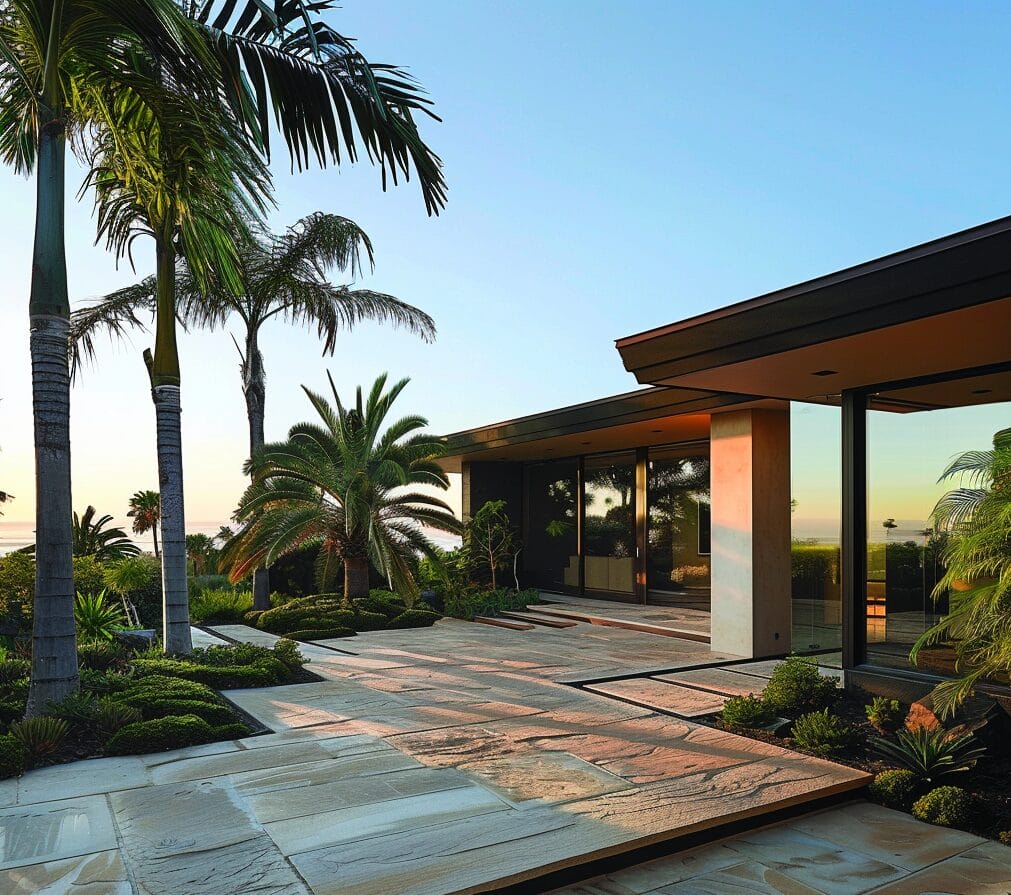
(645, 404)
(967, 268)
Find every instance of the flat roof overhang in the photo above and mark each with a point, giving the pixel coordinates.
(940, 307)
(650, 416)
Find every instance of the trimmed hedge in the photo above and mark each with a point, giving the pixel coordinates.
(415, 618)
(160, 734)
(946, 806)
(162, 708)
(895, 789)
(264, 673)
(160, 686)
(13, 757)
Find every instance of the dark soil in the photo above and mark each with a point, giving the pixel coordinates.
(989, 782)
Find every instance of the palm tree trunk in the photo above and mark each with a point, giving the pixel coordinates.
(54, 644)
(255, 391)
(356, 577)
(154, 532)
(165, 394)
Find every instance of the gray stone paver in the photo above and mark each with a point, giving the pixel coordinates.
(427, 761)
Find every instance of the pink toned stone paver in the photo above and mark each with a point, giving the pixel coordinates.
(669, 697)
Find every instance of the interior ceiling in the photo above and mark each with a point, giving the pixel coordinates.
(956, 340)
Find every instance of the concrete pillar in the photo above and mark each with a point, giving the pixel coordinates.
(750, 482)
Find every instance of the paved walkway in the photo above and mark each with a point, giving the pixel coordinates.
(448, 759)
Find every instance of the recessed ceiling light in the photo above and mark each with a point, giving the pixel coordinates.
(657, 431)
(825, 373)
(584, 442)
(982, 391)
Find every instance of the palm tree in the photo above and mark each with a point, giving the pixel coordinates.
(345, 486)
(53, 55)
(199, 549)
(978, 555)
(145, 509)
(283, 276)
(92, 538)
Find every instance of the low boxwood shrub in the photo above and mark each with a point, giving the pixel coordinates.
(160, 686)
(320, 634)
(13, 757)
(252, 616)
(824, 734)
(215, 715)
(371, 621)
(746, 711)
(414, 618)
(287, 651)
(797, 686)
(946, 806)
(159, 734)
(264, 673)
(234, 731)
(895, 789)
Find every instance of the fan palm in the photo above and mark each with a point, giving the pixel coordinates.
(145, 509)
(283, 276)
(92, 538)
(345, 485)
(978, 552)
(53, 55)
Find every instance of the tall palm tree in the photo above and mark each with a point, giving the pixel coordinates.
(92, 538)
(283, 276)
(345, 485)
(53, 54)
(145, 509)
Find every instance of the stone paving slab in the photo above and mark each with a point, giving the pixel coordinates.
(659, 694)
(718, 680)
(52, 831)
(103, 873)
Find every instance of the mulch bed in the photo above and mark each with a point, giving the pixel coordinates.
(989, 782)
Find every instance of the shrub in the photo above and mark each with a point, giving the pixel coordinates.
(287, 651)
(797, 686)
(17, 589)
(13, 757)
(111, 715)
(159, 686)
(264, 673)
(372, 621)
(415, 618)
(465, 603)
(14, 670)
(252, 616)
(101, 655)
(138, 578)
(234, 731)
(824, 734)
(222, 655)
(946, 806)
(40, 736)
(746, 711)
(11, 709)
(97, 617)
(931, 754)
(895, 789)
(161, 708)
(76, 708)
(101, 682)
(320, 634)
(885, 715)
(221, 606)
(160, 734)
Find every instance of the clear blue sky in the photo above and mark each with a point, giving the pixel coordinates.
(611, 167)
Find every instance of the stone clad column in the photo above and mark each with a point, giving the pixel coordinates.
(750, 482)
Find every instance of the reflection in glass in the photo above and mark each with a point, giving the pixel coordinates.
(815, 524)
(550, 551)
(677, 561)
(906, 548)
(609, 564)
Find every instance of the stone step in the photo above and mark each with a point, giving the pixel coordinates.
(644, 627)
(537, 619)
(502, 623)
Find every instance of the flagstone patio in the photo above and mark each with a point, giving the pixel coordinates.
(457, 758)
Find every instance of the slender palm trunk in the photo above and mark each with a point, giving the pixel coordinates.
(356, 577)
(255, 391)
(154, 534)
(54, 644)
(165, 394)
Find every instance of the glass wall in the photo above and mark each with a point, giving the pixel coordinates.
(551, 548)
(909, 548)
(816, 526)
(609, 526)
(677, 558)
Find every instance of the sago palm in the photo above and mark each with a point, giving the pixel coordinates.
(145, 510)
(978, 554)
(53, 55)
(283, 277)
(346, 485)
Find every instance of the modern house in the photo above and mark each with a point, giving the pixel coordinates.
(780, 467)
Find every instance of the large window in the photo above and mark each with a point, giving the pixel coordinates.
(909, 548)
(551, 548)
(609, 532)
(677, 558)
(815, 523)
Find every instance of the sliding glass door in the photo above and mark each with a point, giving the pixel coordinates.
(609, 526)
